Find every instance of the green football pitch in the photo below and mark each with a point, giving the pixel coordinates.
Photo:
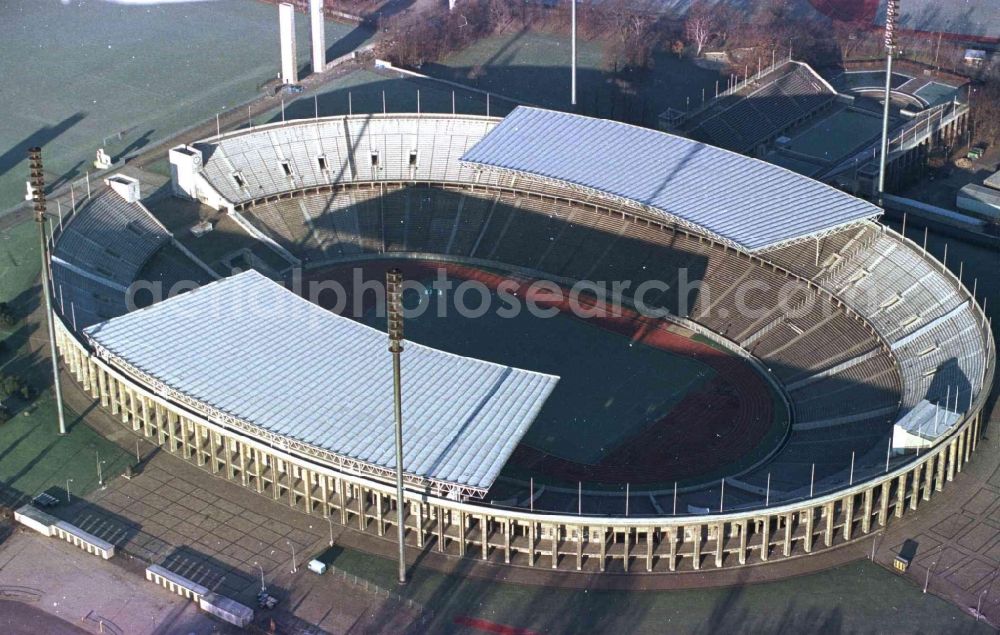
(832, 138)
(609, 387)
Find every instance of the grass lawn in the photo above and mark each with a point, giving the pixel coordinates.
(34, 458)
(19, 260)
(856, 598)
(88, 70)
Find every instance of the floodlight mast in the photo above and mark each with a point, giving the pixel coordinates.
(572, 99)
(37, 179)
(891, 13)
(394, 307)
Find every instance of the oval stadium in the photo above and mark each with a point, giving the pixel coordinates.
(780, 375)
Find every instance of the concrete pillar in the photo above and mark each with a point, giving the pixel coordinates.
(720, 543)
(789, 523)
(915, 496)
(286, 29)
(318, 31)
(161, 426)
(123, 402)
(485, 534)
(810, 519)
(531, 543)
(975, 432)
(900, 494)
(227, 450)
(307, 486)
(244, 477)
(133, 411)
(942, 460)
(848, 507)
(743, 541)
(628, 549)
(441, 528)
(866, 520)
(961, 451)
(952, 450)
(828, 513)
(462, 528)
(765, 541)
(672, 538)
(102, 386)
(579, 547)
(554, 529)
(696, 547)
(649, 549)
(603, 556)
(147, 429)
(172, 431)
(379, 526)
(928, 478)
(883, 504)
(259, 470)
(967, 435)
(213, 453)
(362, 521)
(95, 373)
(419, 521)
(506, 541)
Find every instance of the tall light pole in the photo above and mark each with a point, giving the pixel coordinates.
(37, 176)
(394, 305)
(572, 98)
(69, 497)
(891, 12)
(295, 567)
(100, 472)
(263, 588)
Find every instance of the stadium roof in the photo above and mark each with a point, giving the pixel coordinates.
(246, 348)
(745, 202)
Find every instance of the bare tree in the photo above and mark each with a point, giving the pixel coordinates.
(700, 25)
(985, 105)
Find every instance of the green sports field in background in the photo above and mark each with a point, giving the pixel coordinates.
(91, 69)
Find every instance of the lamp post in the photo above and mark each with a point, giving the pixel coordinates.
(295, 568)
(930, 569)
(891, 12)
(394, 305)
(100, 472)
(37, 175)
(572, 97)
(69, 497)
(263, 588)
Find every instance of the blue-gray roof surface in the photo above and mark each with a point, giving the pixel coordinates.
(747, 202)
(252, 349)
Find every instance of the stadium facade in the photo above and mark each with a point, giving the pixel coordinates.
(892, 338)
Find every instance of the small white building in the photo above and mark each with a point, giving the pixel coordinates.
(974, 57)
(981, 201)
(993, 180)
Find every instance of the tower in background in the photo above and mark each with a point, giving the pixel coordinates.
(318, 36)
(286, 26)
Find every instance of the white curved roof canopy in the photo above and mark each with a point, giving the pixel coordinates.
(248, 348)
(745, 202)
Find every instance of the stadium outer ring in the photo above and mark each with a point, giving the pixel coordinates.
(520, 537)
